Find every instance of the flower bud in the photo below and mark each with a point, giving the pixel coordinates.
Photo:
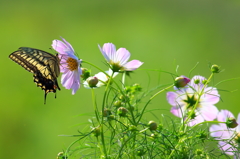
(237, 138)
(96, 131)
(106, 112)
(131, 108)
(85, 73)
(204, 82)
(60, 155)
(153, 136)
(124, 98)
(111, 117)
(231, 122)
(140, 152)
(181, 81)
(122, 112)
(197, 81)
(215, 69)
(199, 152)
(152, 125)
(117, 103)
(92, 81)
(137, 87)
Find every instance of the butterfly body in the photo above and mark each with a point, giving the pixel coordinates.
(44, 66)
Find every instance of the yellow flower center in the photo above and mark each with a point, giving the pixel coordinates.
(116, 66)
(72, 64)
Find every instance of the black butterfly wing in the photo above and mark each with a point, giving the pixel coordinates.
(43, 65)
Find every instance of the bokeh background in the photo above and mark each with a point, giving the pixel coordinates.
(163, 34)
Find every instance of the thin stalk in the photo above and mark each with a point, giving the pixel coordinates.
(95, 106)
(152, 99)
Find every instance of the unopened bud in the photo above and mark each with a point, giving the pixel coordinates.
(215, 69)
(92, 81)
(181, 81)
(85, 73)
(153, 136)
(205, 82)
(197, 81)
(140, 152)
(96, 131)
(199, 152)
(61, 155)
(111, 117)
(237, 138)
(106, 112)
(137, 87)
(152, 125)
(122, 112)
(231, 122)
(117, 103)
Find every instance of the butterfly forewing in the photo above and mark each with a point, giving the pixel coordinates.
(43, 65)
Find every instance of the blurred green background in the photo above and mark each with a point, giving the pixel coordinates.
(162, 34)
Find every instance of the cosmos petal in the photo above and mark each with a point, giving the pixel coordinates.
(76, 83)
(171, 97)
(224, 114)
(209, 112)
(69, 46)
(132, 65)
(122, 56)
(211, 95)
(196, 120)
(60, 47)
(108, 50)
(227, 148)
(67, 80)
(177, 111)
(220, 131)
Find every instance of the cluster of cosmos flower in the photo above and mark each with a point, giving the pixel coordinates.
(193, 99)
(70, 65)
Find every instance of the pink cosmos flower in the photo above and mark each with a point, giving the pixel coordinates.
(183, 100)
(229, 138)
(118, 59)
(69, 65)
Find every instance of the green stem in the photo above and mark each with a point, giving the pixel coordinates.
(68, 149)
(95, 106)
(123, 80)
(103, 105)
(152, 99)
(205, 122)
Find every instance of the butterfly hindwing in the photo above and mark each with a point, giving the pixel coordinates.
(43, 65)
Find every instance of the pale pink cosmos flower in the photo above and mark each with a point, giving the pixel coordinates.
(183, 100)
(102, 78)
(118, 59)
(69, 64)
(229, 138)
